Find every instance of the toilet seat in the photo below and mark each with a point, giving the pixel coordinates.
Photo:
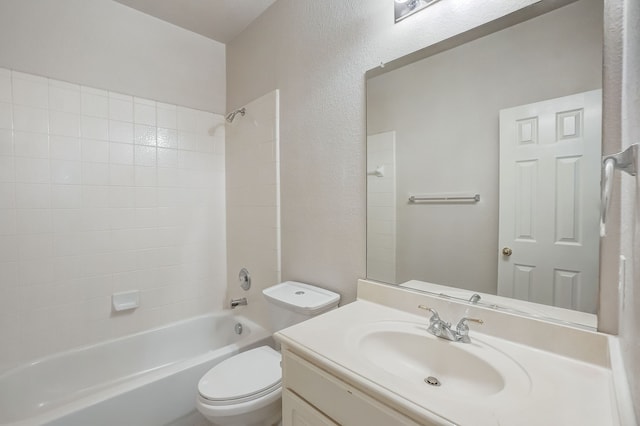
(244, 377)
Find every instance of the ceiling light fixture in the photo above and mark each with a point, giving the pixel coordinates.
(406, 8)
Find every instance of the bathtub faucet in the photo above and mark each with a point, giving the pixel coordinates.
(237, 302)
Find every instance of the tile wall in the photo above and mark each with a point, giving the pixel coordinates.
(102, 192)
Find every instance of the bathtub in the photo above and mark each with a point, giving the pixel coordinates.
(148, 378)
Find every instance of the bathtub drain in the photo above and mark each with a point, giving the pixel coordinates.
(238, 328)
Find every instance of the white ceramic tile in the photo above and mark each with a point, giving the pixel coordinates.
(187, 141)
(66, 172)
(188, 160)
(146, 217)
(36, 272)
(144, 113)
(33, 196)
(94, 105)
(123, 262)
(120, 131)
(168, 177)
(30, 119)
(29, 77)
(145, 176)
(120, 108)
(121, 175)
(64, 97)
(146, 197)
(95, 196)
(120, 96)
(6, 116)
(27, 144)
(95, 174)
(95, 219)
(6, 142)
(167, 138)
(66, 196)
(187, 119)
(145, 155)
(167, 157)
(145, 135)
(99, 219)
(64, 148)
(120, 153)
(28, 91)
(32, 170)
(35, 246)
(66, 222)
(94, 128)
(64, 124)
(205, 144)
(7, 169)
(7, 196)
(95, 151)
(122, 218)
(167, 116)
(8, 224)
(34, 221)
(8, 252)
(5, 86)
(122, 196)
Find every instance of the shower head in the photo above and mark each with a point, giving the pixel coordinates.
(233, 114)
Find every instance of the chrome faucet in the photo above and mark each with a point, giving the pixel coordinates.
(237, 302)
(475, 298)
(442, 329)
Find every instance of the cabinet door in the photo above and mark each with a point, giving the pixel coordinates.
(296, 412)
(345, 404)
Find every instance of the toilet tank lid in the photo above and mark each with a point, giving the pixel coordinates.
(302, 298)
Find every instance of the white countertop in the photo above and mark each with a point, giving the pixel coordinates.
(563, 390)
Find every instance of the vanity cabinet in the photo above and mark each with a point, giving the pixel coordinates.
(312, 396)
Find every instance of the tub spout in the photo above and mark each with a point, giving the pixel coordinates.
(237, 302)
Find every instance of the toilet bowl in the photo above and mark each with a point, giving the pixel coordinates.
(246, 389)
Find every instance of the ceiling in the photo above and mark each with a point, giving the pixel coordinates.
(220, 20)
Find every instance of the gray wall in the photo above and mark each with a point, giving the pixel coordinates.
(445, 112)
(316, 53)
(103, 44)
(630, 229)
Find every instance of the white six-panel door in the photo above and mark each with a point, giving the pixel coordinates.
(549, 201)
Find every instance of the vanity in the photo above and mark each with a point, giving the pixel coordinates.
(374, 362)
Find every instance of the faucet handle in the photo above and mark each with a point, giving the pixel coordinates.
(465, 319)
(435, 323)
(462, 329)
(434, 313)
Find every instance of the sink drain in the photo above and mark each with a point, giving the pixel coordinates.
(433, 381)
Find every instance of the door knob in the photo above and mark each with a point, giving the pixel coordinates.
(507, 251)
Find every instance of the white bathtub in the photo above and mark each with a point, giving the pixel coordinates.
(149, 378)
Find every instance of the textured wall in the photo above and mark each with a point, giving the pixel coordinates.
(102, 192)
(316, 53)
(104, 44)
(630, 232)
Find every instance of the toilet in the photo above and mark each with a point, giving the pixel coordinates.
(246, 389)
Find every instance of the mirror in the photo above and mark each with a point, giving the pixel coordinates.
(497, 138)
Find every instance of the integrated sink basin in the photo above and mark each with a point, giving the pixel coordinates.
(416, 359)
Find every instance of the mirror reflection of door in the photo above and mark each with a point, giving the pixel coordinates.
(549, 201)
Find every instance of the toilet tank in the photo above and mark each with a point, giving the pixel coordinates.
(292, 302)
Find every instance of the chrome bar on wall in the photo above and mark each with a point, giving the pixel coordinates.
(625, 161)
(444, 198)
